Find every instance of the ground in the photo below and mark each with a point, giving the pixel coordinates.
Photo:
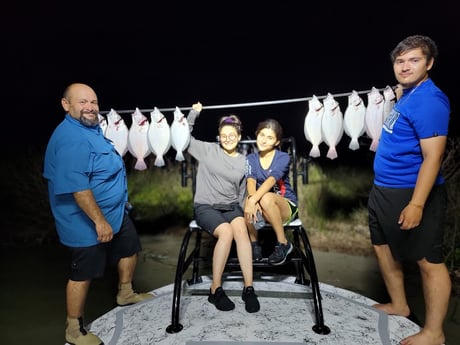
(349, 239)
(355, 240)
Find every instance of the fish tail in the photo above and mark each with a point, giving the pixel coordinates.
(179, 156)
(354, 145)
(140, 165)
(374, 145)
(159, 161)
(314, 152)
(332, 153)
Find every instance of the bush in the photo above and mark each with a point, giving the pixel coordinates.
(157, 193)
(26, 215)
(333, 203)
(451, 170)
(334, 195)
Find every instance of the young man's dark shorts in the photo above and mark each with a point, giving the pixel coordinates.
(90, 262)
(424, 241)
(209, 217)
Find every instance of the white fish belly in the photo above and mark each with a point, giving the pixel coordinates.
(374, 123)
(312, 131)
(180, 138)
(353, 124)
(159, 138)
(138, 144)
(119, 136)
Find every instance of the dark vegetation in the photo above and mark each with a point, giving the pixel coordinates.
(332, 203)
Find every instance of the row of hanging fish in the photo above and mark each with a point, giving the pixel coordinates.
(144, 138)
(326, 123)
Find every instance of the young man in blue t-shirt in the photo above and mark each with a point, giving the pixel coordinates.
(408, 200)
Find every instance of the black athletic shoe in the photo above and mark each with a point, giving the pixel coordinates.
(256, 251)
(221, 300)
(280, 254)
(250, 299)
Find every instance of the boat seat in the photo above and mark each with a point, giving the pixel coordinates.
(295, 222)
(301, 258)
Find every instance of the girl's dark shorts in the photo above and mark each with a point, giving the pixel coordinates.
(424, 241)
(90, 262)
(209, 217)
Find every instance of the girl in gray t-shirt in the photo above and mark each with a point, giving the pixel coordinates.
(220, 191)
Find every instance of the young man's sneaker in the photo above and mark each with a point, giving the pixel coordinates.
(280, 254)
(250, 299)
(220, 300)
(256, 251)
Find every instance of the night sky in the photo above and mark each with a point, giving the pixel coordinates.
(176, 54)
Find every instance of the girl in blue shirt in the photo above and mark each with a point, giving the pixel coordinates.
(269, 190)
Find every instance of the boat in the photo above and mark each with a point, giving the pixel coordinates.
(296, 308)
(286, 317)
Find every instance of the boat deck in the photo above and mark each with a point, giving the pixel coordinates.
(286, 317)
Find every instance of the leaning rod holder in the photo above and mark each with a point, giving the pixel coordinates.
(304, 164)
(309, 263)
(175, 326)
(185, 175)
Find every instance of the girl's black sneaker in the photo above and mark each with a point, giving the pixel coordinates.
(250, 299)
(220, 300)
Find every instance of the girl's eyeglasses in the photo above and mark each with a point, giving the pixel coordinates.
(230, 137)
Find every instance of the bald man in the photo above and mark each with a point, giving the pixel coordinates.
(88, 195)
